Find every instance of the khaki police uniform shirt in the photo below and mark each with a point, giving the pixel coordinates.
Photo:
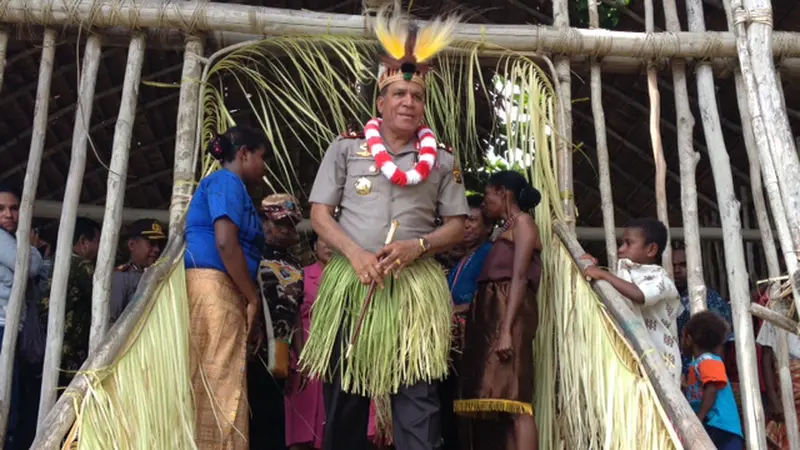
(367, 213)
(124, 281)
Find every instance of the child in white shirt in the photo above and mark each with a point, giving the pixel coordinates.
(647, 285)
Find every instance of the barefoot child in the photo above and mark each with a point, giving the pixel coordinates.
(646, 284)
(708, 390)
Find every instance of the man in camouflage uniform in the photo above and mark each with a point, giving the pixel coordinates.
(280, 280)
(146, 240)
(78, 316)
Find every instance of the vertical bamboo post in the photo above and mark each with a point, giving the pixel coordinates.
(781, 214)
(3, 50)
(604, 165)
(66, 228)
(782, 350)
(655, 139)
(17, 298)
(688, 159)
(782, 145)
(732, 243)
(115, 193)
(749, 248)
(564, 135)
(186, 135)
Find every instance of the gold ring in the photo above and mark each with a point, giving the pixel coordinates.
(397, 261)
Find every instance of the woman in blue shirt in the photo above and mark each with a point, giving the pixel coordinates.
(224, 242)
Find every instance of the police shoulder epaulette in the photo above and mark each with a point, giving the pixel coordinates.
(352, 134)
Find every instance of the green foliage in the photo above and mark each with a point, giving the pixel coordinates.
(608, 10)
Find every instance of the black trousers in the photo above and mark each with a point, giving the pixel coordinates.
(267, 420)
(448, 389)
(415, 415)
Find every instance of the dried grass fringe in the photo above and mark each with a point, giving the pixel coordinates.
(406, 333)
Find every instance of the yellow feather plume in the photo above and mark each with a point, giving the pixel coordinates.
(392, 32)
(434, 37)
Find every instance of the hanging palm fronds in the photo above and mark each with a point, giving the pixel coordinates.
(590, 387)
(305, 91)
(144, 399)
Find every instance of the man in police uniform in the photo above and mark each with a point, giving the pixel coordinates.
(368, 201)
(146, 240)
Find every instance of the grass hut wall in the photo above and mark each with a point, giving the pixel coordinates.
(210, 64)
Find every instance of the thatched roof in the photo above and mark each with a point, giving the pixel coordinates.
(149, 184)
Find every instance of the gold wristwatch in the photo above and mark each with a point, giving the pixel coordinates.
(424, 244)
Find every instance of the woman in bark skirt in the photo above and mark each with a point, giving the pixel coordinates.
(224, 243)
(497, 363)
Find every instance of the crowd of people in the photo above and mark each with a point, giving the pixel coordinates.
(418, 294)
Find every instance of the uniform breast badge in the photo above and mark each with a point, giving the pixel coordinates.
(363, 151)
(363, 186)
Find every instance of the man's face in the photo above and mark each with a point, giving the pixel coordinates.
(87, 248)
(679, 268)
(402, 106)
(144, 252)
(281, 233)
(9, 212)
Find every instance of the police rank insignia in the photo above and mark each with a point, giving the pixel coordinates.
(363, 151)
(363, 186)
(457, 175)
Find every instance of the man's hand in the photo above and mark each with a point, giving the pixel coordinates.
(397, 255)
(367, 267)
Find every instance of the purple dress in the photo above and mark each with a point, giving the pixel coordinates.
(305, 410)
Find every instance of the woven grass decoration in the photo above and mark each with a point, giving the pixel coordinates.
(143, 401)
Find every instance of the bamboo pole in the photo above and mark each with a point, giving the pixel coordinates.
(655, 141)
(3, 50)
(17, 297)
(195, 16)
(59, 420)
(782, 350)
(115, 194)
(171, 39)
(775, 318)
(66, 228)
(688, 159)
(749, 248)
(669, 394)
(564, 119)
(603, 161)
(186, 134)
(747, 363)
(782, 146)
(780, 212)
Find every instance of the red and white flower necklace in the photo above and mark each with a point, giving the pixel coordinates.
(385, 162)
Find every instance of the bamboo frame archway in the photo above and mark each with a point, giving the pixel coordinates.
(767, 142)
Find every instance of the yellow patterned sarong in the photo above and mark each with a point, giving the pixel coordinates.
(218, 333)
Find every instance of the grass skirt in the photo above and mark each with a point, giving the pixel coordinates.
(406, 333)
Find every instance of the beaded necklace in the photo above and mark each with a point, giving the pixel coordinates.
(506, 226)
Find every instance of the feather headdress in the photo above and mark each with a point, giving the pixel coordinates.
(409, 48)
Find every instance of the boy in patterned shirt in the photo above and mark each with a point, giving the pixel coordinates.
(653, 295)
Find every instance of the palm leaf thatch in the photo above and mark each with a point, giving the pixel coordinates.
(591, 389)
(144, 400)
